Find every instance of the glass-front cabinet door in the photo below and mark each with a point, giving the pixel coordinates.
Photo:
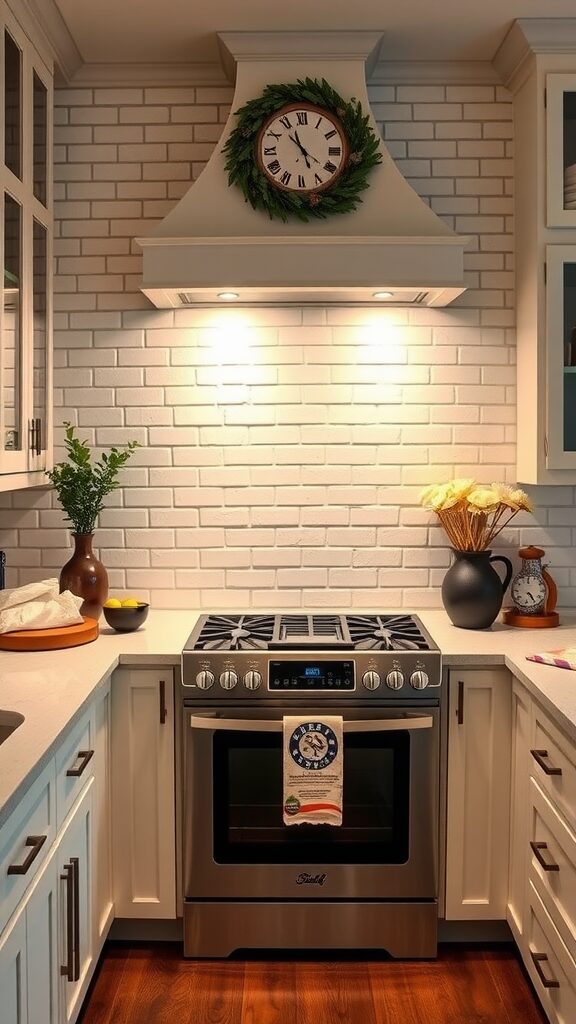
(26, 246)
(561, 150)
(561, 356)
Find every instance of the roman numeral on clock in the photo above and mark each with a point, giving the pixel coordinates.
(273, 167)
(285, 179)
(269, 150)
(317, 179)
(330, 167)
(331, 134)
(302, 116)
(318, 122)
(334, 150)
(301, 181)
(274, 134)
(286, 121)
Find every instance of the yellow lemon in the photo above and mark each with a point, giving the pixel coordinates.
(130, 602)
(112, 602)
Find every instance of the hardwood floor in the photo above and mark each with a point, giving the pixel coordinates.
(153, 984)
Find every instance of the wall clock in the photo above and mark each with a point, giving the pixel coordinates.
(534, 593)
(301, 151)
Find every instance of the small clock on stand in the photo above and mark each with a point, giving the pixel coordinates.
(534, 594)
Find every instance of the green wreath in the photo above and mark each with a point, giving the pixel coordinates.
(344, 195)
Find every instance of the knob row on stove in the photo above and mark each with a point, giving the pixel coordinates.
(395, 680)
(228, 680)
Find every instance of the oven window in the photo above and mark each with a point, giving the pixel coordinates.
(248, 825)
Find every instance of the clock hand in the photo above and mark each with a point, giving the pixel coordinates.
(301, 148)
(298, 143)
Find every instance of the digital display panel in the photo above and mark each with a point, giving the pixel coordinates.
(304, 675)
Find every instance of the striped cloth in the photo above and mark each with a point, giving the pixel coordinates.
(561, 659)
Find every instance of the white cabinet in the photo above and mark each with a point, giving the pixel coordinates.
(26, 244)
(561, 355)
(561, 150)
(521, 731)
(102, 850)
(143, 820)
(74, 863)
(29, 956)
(478, 801)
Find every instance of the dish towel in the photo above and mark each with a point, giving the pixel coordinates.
(38, 606)
(313, 765)
(561, 659)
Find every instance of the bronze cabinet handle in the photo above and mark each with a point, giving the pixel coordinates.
(548, 865)
(540, 756)
(84, 756)
(538, 959)
(67, 970)
(38, 436)
(76, 889)
(36, 843)
(163, 708)
(460, 708)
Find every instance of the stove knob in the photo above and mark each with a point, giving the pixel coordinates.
(395, 680)
(228, 680)
(371, 680)
(419, 680)
(204, 680)
(252, 680)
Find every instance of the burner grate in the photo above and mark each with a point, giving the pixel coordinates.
(386, 633)
(324, 632)
(235, 633)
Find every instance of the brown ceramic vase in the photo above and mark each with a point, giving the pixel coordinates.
(85, 576)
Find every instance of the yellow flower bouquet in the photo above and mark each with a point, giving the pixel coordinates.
(474, 514)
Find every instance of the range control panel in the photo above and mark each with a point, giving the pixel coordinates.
(311, 676)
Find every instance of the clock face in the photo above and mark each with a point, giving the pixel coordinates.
(528, 592)
(302, 148)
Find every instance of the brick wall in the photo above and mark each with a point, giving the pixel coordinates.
(283, 450)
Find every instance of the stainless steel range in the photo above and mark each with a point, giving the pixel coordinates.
(249, 880)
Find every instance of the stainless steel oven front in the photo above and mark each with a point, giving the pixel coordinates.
(250, 880)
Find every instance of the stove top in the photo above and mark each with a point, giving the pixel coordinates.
(253, 656)
(319, 632)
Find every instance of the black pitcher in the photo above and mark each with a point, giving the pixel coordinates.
(472, 590)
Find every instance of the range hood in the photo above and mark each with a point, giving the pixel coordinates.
(213, 242)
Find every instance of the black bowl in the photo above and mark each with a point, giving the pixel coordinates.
(126, 620)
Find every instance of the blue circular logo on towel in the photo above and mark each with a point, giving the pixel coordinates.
(313, 745)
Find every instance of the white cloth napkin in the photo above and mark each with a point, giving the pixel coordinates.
(313, 765)
(38, 606)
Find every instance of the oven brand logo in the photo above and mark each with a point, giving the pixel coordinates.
(313, 746)
(305, 879)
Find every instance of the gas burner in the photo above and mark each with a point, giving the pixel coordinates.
(385, 633)
(235, 633)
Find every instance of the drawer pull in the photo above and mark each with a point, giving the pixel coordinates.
(36, 843)
(71, 969)
(538, 959)
(163, 708)
(540, 756)
(84, 756)
(548, 865)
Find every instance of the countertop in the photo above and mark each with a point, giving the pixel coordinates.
(52, 688)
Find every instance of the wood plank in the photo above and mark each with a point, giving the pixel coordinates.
(156, 985)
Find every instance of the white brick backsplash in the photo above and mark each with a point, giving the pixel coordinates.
(283, 471)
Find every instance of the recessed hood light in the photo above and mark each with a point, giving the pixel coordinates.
(393, 242)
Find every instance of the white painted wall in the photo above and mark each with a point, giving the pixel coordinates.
(283, 450)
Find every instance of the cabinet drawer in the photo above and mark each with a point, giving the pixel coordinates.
(553, 764)
(74, 765)
(553, 965)
(553, 864)
(25, 840)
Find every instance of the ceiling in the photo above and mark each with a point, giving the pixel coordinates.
(185, 30)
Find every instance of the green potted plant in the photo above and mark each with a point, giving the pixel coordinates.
(81, 485)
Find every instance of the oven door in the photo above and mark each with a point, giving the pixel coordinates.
(235, 842)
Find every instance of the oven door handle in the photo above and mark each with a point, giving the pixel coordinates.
(408, 723)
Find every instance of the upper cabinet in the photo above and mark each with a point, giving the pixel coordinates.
(26, 246)
(538, 63)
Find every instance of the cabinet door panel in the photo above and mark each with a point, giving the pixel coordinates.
(42, 947)
(75, 929)
(143, 825)
(13, 972)
(478, 795)
(519, 812)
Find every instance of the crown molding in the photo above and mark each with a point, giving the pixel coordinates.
(197, 74)
(529, 36)
(141, 74)
(43, 22)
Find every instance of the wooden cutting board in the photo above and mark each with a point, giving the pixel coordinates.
(50, 639)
